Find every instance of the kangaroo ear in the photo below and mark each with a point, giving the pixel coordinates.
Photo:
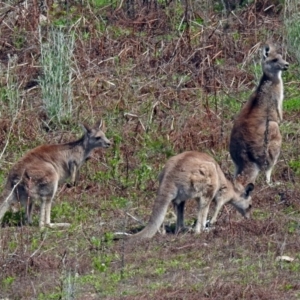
(240, 180)
(223, 188)
(85, 128)
(99, 124)
(268, 48)
(266, 51)
(248, 189)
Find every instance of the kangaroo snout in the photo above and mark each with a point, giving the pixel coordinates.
(107, 143)
(286, 66)
(247, 214)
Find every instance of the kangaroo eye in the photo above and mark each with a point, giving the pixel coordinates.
(98, 138)
(275, 60)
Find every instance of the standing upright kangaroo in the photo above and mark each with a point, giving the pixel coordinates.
(255, 139)
(195, 175)
(38, 173)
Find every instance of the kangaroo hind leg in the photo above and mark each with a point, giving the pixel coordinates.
(273, 150)
(203, 207)
(179, 211)
(45, 215)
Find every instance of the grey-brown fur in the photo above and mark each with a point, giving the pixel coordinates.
(255, 139)
(39, 172)
(195, 175)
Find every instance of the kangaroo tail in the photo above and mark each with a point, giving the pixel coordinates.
(158, 214)
(3, 209)
(4, 206)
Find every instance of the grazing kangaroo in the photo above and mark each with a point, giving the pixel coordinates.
(38, 173)
(255, 139)
(195, 175)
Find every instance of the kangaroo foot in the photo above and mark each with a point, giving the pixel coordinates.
(208, 226)
(56, 225)
(184, 229)
(273, 184)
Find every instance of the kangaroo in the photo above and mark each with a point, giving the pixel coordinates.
(255, 139)
(39, 172)
(195, 175)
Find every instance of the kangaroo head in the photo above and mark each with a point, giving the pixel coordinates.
(94, 137)
(272, 62)
(242, 199)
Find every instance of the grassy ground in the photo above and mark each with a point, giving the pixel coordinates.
(166, 77)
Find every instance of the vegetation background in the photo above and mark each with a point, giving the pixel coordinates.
(166, 76)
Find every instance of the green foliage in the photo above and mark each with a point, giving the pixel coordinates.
(100, 3)
(51, 296)
(218, 6)
(116, 32)
(19, 38)
(100, 264)
(236, 36)
(63, 210)
(291, 104)
(3, 96)
(13, 245)
(176, 16)
(288, 287)
(2, 177)
(103, 282)
(61, 22)
(96, 242)
(119, 202)
(259, 214)
(7, 282)
(64, 15)
(220, 61)
(160, 270)
(228, 104)
(13, 218)
(255, 68)
(293, 226)
(295, 166)
(292, 267)
(230, 5)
